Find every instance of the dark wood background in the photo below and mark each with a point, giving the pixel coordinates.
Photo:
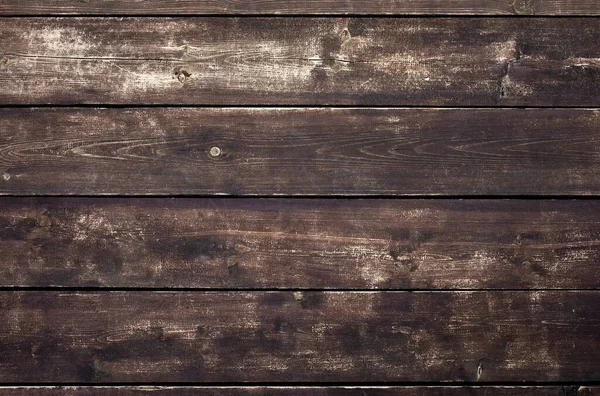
(301, 197)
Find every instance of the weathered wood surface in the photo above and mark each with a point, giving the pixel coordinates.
(337, 61)
(313, 336)
(295, 391)
(299, 151)
(588, 391)
(171, 7)
(291, 243)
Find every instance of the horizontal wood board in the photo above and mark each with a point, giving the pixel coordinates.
(307, 7)
(298, 391)
(88, 337)
(301, 61)
(292, 243)
(299, 151)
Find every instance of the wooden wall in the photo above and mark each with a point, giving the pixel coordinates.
(301, 197)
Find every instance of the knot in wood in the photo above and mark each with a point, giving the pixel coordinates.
(181, 74)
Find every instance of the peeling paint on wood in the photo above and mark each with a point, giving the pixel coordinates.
(301, 61)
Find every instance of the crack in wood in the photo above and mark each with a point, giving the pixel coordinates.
(90, 58)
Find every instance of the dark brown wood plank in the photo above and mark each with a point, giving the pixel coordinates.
(588, 391)
(175, 337)
(299, 151)
(292, 391)
(301, 61)
(282, 243)
(171, 7)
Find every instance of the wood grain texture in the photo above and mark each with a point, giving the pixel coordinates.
(171, 7)
(313, 336)
(301, 61)
(299, 151)
(588, 391)
(281, 243)
(292, 391)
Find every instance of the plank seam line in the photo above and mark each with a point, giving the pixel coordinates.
(574, 388)
(311, 384)
(300, 15)
(277, 106)
(334, 196)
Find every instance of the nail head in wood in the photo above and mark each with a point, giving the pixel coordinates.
(215, 151)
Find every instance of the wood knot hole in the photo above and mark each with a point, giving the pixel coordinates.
(181, 74)
(6, 176)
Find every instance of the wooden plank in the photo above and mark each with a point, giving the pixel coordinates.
(301, 61)
(314, 336)
(299, 151)
(173, 7)
(283, 243)
(588, 391)
(292, 391)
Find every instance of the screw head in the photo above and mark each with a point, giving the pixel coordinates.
(214, 151)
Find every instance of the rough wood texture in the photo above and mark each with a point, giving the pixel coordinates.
(299, 151)
(277, 243)
(171, 7)
(368, 61)
(588, 391)
(313, 336)
(292, 391)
